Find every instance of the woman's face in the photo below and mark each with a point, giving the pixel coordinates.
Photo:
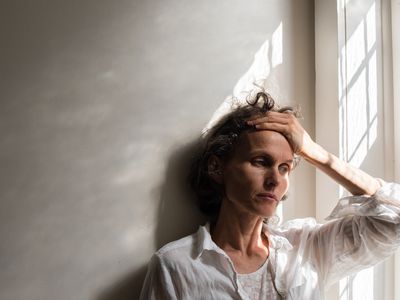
(256, 177)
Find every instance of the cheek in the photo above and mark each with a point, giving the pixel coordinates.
(284, 185)
(243, 180)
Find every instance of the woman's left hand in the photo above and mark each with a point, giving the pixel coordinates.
(288, 125)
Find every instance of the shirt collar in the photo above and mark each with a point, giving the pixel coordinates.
(205, 242)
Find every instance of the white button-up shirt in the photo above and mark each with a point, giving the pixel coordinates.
(304, 256)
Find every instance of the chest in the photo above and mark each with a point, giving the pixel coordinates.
(245, 263)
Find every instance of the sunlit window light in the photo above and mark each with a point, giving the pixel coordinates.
(344, 289)
(279, 212)
(355, 51)
(359, 114)
(343, 3)
(357, 123)
(372, 86)
(371, 27)
(363, 285)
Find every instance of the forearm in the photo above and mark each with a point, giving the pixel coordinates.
(353, 179)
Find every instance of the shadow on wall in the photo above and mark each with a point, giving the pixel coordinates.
(128, 288)
(177, 217)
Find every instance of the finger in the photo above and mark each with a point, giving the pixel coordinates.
(285, 113)
(257, 120)
(280, 116)
(252, 118)
(281, 128)
(269, 119)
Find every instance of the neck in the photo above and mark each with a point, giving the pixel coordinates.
(239, 231)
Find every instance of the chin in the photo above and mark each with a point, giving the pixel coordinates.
(267, 214)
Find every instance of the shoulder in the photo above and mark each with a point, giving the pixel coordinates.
(180, 245)
(296, 226)
(177, 251)
(295, 230)
(165, 269)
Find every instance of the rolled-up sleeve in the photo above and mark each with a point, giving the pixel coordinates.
(361, 231)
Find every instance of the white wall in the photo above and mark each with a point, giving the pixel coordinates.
(99, 103)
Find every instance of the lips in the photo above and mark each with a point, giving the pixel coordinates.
(267, 196)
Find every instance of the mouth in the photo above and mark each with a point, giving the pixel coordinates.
(267, 197)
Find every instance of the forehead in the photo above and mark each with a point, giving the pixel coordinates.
(264, 141)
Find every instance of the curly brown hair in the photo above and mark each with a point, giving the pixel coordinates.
(220, 141)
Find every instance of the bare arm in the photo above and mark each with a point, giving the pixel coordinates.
(354, 180)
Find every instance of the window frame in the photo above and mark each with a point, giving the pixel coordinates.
(330, 34)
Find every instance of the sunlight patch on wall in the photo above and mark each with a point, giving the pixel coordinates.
(267, 57)
(277, 53)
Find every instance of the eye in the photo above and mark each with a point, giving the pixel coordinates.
(259, 161)
(284, 168)
(262, 161)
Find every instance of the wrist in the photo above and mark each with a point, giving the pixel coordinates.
(315, 154)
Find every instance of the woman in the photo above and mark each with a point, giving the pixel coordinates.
(240, 176)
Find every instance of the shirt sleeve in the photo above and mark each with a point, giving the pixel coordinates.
(362, 230)
(158, 282)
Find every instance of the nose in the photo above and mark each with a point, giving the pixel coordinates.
(271, 179)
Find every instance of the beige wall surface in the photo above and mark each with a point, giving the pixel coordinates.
(100, 103)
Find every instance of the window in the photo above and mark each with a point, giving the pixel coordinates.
(357, 76)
